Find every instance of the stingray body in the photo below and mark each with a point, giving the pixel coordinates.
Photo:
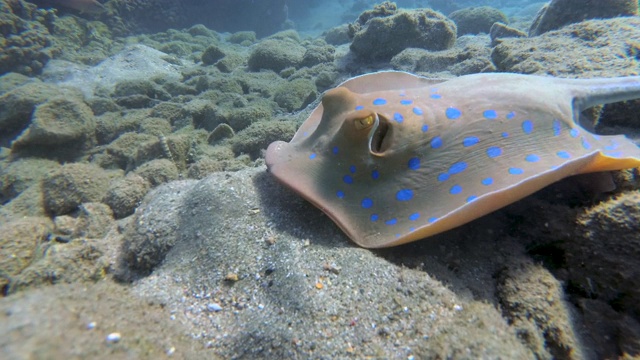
(392, 157)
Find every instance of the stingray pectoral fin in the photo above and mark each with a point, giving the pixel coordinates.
(490, 202)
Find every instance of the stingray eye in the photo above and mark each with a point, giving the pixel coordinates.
(364, 123)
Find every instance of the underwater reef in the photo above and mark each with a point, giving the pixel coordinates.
(137, 218)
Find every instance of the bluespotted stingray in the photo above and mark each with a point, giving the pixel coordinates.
(393, 157)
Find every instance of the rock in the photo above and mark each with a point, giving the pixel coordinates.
(212, 54)
(259, 135)
(230, 62)
(17, 105)
(319, 53)
(383, 37)
(563, 52)
(204, 167)
(155, 126)
(276, 54)
(73, 184)
(59, 121)
(459, 60)
(222, 131)
(338, 35)
(476, 20)
(242, 37)
(296, 94)
(134, 63)
(499, 30)
(124, 195)
(125, 151)
(158, 171)
(19, 239)
(19, 175)
(558, 13)
(94, 221)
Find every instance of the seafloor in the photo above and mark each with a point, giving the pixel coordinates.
(138, 221)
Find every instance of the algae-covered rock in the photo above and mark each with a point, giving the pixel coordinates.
(242, 37)
(259, 135)
(475, 20)
(383, 37)
(73, 184)
(559, 13)
(94, 221)
(499, 31)
(470, 59)
(59, 121)
(296, 94)
(230, 62)
(606, 42)
(338, 35)
(212, 54)
(158, 171)
(318, 53)
(18, 175)
(127, 148)
(17, 105)
(124, 195)
(276, 54)
(19, 239)
(155, 126)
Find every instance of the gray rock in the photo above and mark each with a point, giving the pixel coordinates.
(475, 20)
(135, 62)
(124, 195)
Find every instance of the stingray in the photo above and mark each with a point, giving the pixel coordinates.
(392, 157)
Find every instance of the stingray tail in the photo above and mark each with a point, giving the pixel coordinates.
(591, 92)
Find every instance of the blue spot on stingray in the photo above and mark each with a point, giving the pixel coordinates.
(515, 171)
(432, 219)
(505, 134)
(597, 137)
(406, 102)
(305, 134)
(414, 217)
(379, 101)
(457, 167)
(470, 141)
(347, 179)
(557, 127)
(335, 150)
(412, 229)
(425, 128)
(375, 174)
(435, 96)
(487, 181)
(613, 146)
(366, 203)
(532, 158)
(398, 117)
(340, 194)
(436, 142)
(554, 167)
(359, 107)
(374, 217)
(453, 113)
(417, 111)
(574, 133)
(511, 115)
(494, 151)
(414, 163)
(615, 154)
(404, 195)
(563, 154)
(391, 221)
(352, 169)
(527, 126)
(313, 156)
(490, 114)
(585, 144)
(443, 177)
(455, 189)
(471, 198)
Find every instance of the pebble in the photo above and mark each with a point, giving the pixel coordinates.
(214, 307)
(91, 325)
(114, 337)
